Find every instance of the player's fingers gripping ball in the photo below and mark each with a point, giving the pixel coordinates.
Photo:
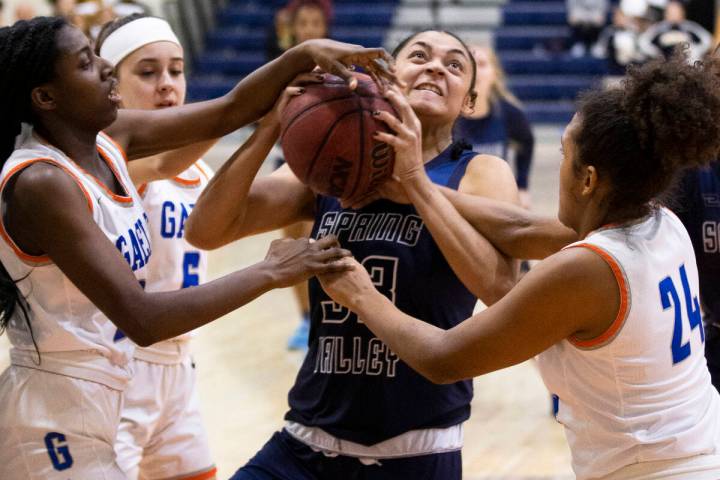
(327, 138)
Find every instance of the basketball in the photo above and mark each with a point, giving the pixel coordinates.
(327, 138)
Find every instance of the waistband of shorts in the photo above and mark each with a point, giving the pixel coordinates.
(85, 365)
(409, 444)
(168, 352)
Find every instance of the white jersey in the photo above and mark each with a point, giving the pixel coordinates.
(640, 392)
(73, 336)
(175, 263)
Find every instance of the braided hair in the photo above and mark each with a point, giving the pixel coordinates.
(28, 53)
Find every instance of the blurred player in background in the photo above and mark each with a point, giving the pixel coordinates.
(161, 433)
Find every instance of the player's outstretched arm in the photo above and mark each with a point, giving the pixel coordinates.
(515, 231)
(147, 132)
(50, 216)
(548, 305)
(484, 270)
(167, 164)
(235, 203)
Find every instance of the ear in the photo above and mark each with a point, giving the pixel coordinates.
(468, 107)
(43, 98)
(590, 180)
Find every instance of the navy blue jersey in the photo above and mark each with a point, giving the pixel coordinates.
(505, 132)
(351, 384)
(698, 205)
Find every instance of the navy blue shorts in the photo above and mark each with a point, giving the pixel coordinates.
(712, 352)
(284, 458)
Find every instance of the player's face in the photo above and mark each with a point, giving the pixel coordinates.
(309, 24)
(83, 89)
(437, 72)
(153, 77)
(570, 181)
(485, 72)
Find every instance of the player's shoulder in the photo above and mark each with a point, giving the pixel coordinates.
(42, 184)
(488, 175)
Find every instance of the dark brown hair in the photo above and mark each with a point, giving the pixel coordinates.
(664, 116)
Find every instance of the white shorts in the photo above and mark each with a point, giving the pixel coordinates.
(161, 433)
(54, 427)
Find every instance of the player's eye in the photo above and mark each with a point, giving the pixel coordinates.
(418, 54)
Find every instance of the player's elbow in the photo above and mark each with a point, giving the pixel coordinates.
(200, 237)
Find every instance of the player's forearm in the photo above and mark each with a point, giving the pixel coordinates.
(152, 317)
(419, 344)
(483, 269)
(219, 213)
(513, 230)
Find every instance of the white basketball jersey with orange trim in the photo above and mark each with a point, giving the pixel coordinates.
(641, 392)
(73, 336)
(175, 264)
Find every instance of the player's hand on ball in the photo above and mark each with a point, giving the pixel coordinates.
(293, 89)
(346, 288)
(407, 140)
(293, 261)
(338, 58)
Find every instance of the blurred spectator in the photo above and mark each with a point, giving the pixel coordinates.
(24, 12)
(93, 14)
(63, 8)
(619, 42)
(661, 39)
(497, 125)
(298, 21)
(2, 14)
(586, 19)
(280, 34)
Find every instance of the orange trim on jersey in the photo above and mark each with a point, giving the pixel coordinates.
(117, 145)
(118, 198)
(142, 189)
(16, 169)
(206, 475)
(188, 183)
(619, 321)
(197, 165)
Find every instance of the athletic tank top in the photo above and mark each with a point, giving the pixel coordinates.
(175, 263)
(698, 206)
(351, 384)
(640, 392)
(73, 336)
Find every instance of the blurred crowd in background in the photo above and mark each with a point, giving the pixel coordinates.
(633, 31)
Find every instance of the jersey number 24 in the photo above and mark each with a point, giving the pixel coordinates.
(669, 298)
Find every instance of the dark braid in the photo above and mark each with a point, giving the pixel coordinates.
(28, 53)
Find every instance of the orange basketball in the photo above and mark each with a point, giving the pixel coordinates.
(327, 138)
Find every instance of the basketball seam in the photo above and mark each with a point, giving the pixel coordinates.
(307, 109)
(324, 142)
(361, 126)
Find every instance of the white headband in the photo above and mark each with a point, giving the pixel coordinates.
(136, 34)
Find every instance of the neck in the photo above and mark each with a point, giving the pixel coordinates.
(78, 145)
(435, 139)
(599, 217)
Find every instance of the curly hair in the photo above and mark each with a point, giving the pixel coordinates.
(663, 118)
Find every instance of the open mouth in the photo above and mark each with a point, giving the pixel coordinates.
(166, 104)
(429, 87)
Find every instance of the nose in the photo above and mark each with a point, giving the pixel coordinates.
(165, 83)
(435, 67)
(106, 69)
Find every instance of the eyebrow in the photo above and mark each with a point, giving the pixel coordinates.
(428, 47)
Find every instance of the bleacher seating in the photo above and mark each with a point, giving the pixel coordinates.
(237, 46)
(546, 81)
